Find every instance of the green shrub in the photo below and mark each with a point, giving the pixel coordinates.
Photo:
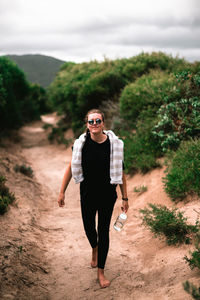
(194, 260)
(15, 90)
(179, 118)
(183, 171)
(47, 125)
(179, 121)
(84, 86)
(169, 223)
(147, 92)
(192, 290)
(138, 65)
(80, 87)
(20, 102)
(6, 197)
(57, 133)
(140, 189)
(141, 148)
(24, 170)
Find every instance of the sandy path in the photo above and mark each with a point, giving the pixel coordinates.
(139, 266)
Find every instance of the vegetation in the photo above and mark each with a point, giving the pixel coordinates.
(180, 118)
(169, 223)
(140, 189)
(194, 262)
(26, 170)
(192, 290)
(77, 88)
(6, 197)
(20, 102)
(141, 147)
(131, 92)
(152, 102)
(39, 69)
(183, 171)
(145, 93)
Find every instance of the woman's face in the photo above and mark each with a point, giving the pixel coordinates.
(95, 123)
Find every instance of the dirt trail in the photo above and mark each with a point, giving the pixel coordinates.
(139, 266)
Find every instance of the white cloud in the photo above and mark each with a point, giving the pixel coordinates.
(91, 29)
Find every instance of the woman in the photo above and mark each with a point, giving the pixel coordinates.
(97, 164)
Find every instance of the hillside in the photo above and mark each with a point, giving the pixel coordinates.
(39, 69)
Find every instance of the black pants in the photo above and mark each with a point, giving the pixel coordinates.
(104, 208)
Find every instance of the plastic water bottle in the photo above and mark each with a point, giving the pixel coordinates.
(120, 221)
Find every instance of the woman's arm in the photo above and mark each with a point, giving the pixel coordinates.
(66, 179)
(123, 188)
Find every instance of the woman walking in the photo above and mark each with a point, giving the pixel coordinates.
(97, 164)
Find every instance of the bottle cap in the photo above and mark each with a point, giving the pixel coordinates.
(123, 216)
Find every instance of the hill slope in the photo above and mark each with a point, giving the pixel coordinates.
(38, 68)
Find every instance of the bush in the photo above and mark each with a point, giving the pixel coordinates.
(169, 223)
(180, 119)
(141, 148)
(147, 92)
(20, 102)
(192, 290)
(6, 197)
(183, 171)
(194, 261)
(141, 64)
(24, 170)
(84, 86)
(57, 133)
(15, 90)
(140, 189)
(80, 87)
(36, 103)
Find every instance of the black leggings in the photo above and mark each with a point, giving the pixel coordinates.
(89, 208)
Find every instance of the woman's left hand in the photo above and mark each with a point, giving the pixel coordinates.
(125, 206)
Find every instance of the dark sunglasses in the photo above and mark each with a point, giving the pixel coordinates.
(97, 121)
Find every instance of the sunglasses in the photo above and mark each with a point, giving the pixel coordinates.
(97, 121)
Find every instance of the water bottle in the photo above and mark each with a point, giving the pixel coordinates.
(120, 221)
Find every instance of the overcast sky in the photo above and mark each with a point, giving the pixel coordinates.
(82, 30)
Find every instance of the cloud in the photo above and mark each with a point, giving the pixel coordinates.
(91, 29)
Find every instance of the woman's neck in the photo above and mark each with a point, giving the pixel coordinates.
(99, 138)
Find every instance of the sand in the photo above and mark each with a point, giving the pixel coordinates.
(44, 251)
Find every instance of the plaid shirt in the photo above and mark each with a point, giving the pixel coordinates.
(116, 158)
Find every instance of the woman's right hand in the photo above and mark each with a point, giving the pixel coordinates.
(61, 199)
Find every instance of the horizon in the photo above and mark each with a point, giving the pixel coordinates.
(98, 60)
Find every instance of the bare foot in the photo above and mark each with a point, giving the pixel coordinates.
(102, 279)
(94, 257)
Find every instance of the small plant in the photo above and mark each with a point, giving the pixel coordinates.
(140, 189)
(24, 170)
(183, 171)
(47, 125)
(20, 249)
(57, 133)
(192, 290)
(169, 223)
(194, 261)
(6, 197)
